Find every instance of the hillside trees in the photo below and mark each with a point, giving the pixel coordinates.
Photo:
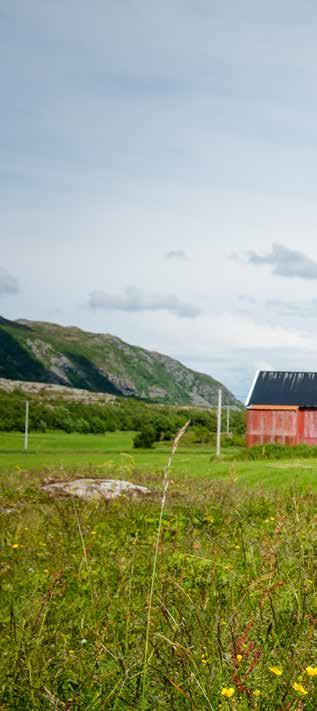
(96, 418)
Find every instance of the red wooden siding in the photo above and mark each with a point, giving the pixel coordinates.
(274, 425)
(307, 426)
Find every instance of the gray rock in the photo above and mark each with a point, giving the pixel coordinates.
(96, 488)
(7, 510)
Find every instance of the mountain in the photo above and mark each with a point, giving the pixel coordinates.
(48, 353)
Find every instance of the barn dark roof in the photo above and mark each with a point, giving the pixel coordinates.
(284, 388)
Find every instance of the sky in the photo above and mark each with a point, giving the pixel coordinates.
(158, 176)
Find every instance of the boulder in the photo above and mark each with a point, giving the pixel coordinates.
(96, 488)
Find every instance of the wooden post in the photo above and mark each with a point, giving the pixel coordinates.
(219, 423)
(228, 420)
(26, 431)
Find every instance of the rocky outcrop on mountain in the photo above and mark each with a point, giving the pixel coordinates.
(101, 363)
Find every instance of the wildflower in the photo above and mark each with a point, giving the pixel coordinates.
(311, 671)
(299, 688)
(257, 693)
(278, 671)
(93, 533)
(227, 692)
(15, 545)
(204, 659)
(239, 658)
(46, 571)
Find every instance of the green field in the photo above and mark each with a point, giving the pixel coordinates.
(113, 453)
(232, 623)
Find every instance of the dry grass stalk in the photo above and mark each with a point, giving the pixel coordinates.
(166, 481)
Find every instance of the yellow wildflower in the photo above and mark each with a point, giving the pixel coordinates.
(227, 692)
(15, 545)
(278, 671)
(299, 688)
(257, 692)
(204, 659)
(311, 671)
(93, 533)
(239, 658)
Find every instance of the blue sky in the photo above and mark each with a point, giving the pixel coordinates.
(158, 176)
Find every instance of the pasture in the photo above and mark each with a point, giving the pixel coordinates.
(232, 621)
(113, 454)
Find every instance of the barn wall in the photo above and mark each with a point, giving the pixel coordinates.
(307, 426)
(279, 426)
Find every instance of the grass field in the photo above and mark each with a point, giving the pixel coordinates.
(114, 453)
(234, 610)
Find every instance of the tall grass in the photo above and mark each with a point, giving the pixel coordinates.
(234, 596)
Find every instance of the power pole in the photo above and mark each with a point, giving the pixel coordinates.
(26, 431)
(219, 423)
(228, 419)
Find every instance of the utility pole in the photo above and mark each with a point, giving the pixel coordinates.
(228, 420)
(26, 431)
(219, 423)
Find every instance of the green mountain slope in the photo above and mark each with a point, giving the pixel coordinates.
(46, 352)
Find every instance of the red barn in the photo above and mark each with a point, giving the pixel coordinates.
(282, 408)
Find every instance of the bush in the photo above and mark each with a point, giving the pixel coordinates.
(82, 425)
(97, 426)
(202, 435)
(233, 440)
(145, 439)
(279, 451)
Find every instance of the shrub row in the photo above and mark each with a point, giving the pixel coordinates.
(157, 422)
(278, 451)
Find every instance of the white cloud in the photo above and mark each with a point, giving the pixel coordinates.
(176, 254)
(8, 283)
(136, 300)
(286, 262)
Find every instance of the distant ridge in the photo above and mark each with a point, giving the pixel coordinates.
(48, 353)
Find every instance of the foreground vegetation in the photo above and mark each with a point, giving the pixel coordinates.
(233, 618)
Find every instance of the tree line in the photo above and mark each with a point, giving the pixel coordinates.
(152, 422)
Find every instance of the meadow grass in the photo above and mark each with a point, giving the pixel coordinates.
(234, 595)
(113, 454)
